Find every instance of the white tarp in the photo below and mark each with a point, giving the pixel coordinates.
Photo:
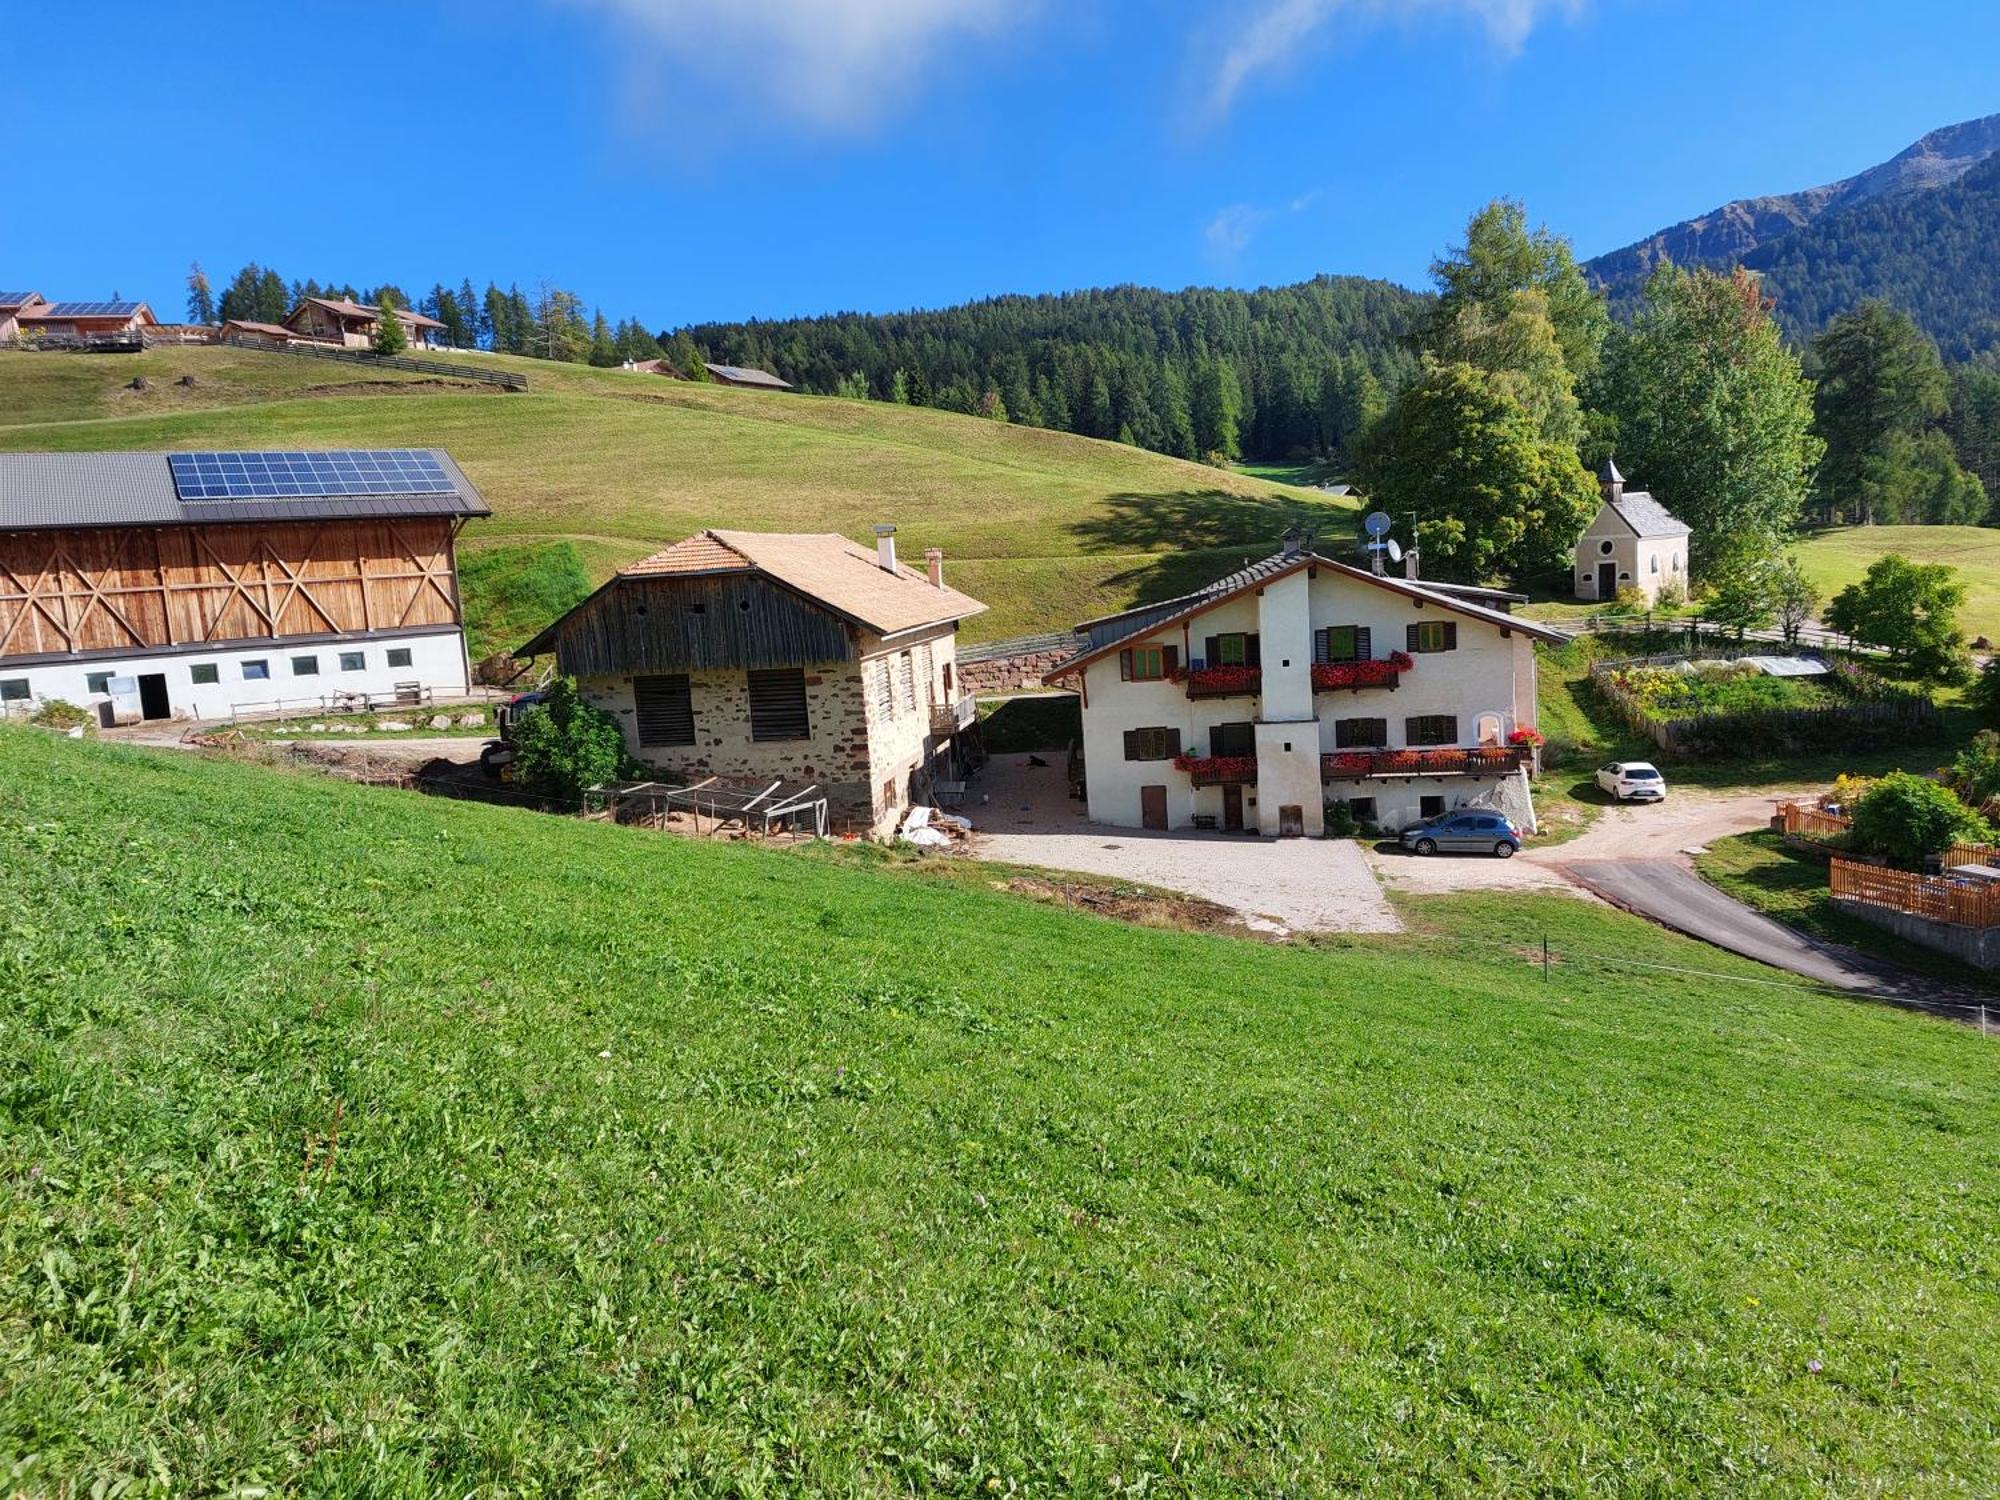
(1788, 666)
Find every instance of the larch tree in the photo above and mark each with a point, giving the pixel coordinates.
(201, 298)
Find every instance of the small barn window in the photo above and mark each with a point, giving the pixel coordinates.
(13, 690)
(906, 681)
(97, 682)
(665, 709)
(881, 689)
(399, 656)
(256, 671)
(778, 705)
(353, 661)
(305, 666)
(204, 674)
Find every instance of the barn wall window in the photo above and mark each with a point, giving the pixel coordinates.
(257, 671)
(97, 682)
(778, 705)
(353, 661)
(13, 689)
(399, 656)
(664, 709)
(906, 681)
(305, 666)
(204, 674)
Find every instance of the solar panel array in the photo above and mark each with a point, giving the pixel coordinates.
(14, 299)
(341, 471)
(92, 309)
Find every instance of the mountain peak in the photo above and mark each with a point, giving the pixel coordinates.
(1726, 235)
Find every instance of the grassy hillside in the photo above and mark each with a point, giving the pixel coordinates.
(1046, 527)
(1834, 559)
(357, 1142)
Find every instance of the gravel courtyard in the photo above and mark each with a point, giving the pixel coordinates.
(1022, 814)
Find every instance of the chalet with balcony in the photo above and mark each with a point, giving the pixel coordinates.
(754, 655)
(104, 325)
(1299, 682)
(334, 320)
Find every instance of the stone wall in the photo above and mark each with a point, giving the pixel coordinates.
(999, 668)
(1978, 946)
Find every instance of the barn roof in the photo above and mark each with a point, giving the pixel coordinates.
(55, 491)
(841, 575)
(11, 300)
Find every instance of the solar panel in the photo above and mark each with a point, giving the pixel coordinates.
(93, 309)
(341, 471)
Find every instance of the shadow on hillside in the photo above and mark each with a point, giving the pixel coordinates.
(1200, 535)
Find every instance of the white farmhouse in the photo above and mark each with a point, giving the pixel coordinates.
(1633, 543)
(1299, 682)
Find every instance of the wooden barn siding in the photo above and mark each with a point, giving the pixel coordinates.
(123, 589)
(609, 636)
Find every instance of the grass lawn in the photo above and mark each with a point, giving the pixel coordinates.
(1834, 559)
(357, 1142)
(1047, 527)
(1790, 886)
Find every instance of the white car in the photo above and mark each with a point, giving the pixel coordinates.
(1632, 781)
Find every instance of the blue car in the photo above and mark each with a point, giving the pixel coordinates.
(1464, 833)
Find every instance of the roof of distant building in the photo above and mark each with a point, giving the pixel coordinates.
(348, 309)
(61, 311)
(744, 375)
(11, 300)
(49, 491)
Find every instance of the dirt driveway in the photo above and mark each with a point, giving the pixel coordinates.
(1022, 814)
(1688, 819)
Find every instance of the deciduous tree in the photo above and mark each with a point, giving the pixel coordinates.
(1910, 610)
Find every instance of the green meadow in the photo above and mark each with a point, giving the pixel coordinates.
(358, 1143)
(1045, 527)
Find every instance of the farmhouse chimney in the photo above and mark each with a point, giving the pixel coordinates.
(934, 565)
(885, 548)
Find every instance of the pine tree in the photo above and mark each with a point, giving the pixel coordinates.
(201, 300)
(1215, 405)
(468, 307)
(520, 322)
(603, 348)
(493, 318)
(389, 335)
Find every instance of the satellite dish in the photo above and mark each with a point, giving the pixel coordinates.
(1395, 550)
(1378, 523)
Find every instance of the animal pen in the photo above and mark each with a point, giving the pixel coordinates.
(651, 803)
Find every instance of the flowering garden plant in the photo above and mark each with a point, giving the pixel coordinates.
(1228, 679)
(1360, 674)
(1526, 738)
(1221, 767)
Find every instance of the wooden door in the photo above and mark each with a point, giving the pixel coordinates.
(1152, 807)
(1232, 809)
(1291, 821)
(1607, 580)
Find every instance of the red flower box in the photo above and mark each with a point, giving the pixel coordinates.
(1218, 680)
(1527, 738)
(1217, 770)
(1328, 676)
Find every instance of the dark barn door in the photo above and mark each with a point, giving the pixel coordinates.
(1152, 807)
(153, 696)
(1232, 809)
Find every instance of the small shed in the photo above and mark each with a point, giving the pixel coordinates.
(1634, 542)
(747, 378)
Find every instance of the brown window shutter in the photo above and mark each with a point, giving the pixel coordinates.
(1213, 646)
(1364, 644)
(1173, 743)
(1253, 653)
(1170, 658)
(1131, 744)
(1125, 665)
(1320, 648)
(1451, 635)
(1410, 636)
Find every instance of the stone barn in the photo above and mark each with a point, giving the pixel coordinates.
(759, 655)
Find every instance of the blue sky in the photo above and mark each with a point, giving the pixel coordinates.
(681, 160)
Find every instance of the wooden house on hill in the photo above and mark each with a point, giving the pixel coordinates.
(104, 324)
(334, 320)
(12, 305)
(807, 657)
(746, 377)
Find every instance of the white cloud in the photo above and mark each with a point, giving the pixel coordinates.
(1229, 233)
(841, 66)
(1281, 27)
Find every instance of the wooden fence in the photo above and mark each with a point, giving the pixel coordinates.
(508, 379)
(1960, 903)
(1812, 824)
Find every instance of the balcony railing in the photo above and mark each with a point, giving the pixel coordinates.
(1486, 760)
(1221, 681)
(1218, 770)
(949, 718)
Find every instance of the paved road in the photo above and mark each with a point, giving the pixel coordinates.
(1674, 896)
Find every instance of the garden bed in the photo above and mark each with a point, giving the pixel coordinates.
(1719, 707)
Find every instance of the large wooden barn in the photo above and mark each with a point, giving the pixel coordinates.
(205, 584)
(755, 656)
